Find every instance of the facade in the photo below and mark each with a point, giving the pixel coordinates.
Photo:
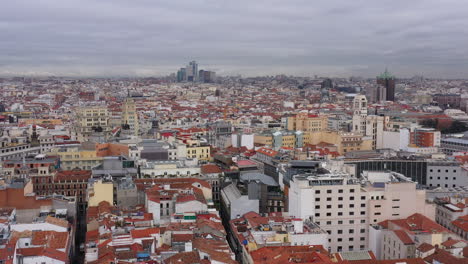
(359, 114)
(92, 120)
(72, 183)
(447, 100)
(100, 191)
(130, 116)
(446, 174)
(76, 156)
(453, 145)
(335, 203)
(400, 238)
(234, 203)
(307, 122)
(170, 168)
(425, 137)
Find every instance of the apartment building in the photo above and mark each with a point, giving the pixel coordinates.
(91, 120)
(307, 122)
(335, 202)
(79, 156)
(345, 206)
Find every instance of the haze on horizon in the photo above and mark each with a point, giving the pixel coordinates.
(297, 37)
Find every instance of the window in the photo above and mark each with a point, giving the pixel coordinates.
(317, 199)
(317, 191)
(351, 239)
(329, 191)
(317, 207)
(340, 206)
(351, 198)
(339, 239)
(351, 190)
(340, 222)
(339, 249)
(340, 213)
(362, 238)
(363, 205)
(340, 198)
(362, 230)
(351, 206)
(329, 222)
(340, 191)
(351, 231)
(317, 215)
(351, 248)
(363, 212)
(340, 231)
(363, 197)
(377, 206)
(329, 206)
(361, 247)
(328, 214)
(328, 199)
(377, 214)
(329, 232)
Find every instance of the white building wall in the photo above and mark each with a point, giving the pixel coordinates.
(38, 226)
(39, 259)
(391, 140)
(192, 206)
(155, 209)
(446, 176)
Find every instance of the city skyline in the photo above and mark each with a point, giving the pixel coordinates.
(147, 38)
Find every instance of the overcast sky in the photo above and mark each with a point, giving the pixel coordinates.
(248, 37)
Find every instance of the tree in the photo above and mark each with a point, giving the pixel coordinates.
(456, 127)
(429, 123)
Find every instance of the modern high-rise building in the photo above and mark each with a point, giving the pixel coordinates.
(181, 75)
(192, 71)
(388, 81)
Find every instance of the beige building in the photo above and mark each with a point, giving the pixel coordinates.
(343, 141)
(130, 116)
(198, 150)
(345, 206)
(389, 193)
(90, 120)
(100, 191)
(307, 122)
(76, 156)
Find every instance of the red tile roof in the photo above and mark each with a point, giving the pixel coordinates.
(419, 223)
(41, 251)
(50, 239)
(443, 256)
(210, 169)
(425, 247)
(403, 236)
(291, 254)
(142, 233)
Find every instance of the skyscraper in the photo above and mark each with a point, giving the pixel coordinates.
(181, 75)
(192, 71)
(388, 81)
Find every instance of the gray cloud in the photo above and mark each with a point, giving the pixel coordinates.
(300, 37)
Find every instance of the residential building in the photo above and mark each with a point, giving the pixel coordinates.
(251, 232)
